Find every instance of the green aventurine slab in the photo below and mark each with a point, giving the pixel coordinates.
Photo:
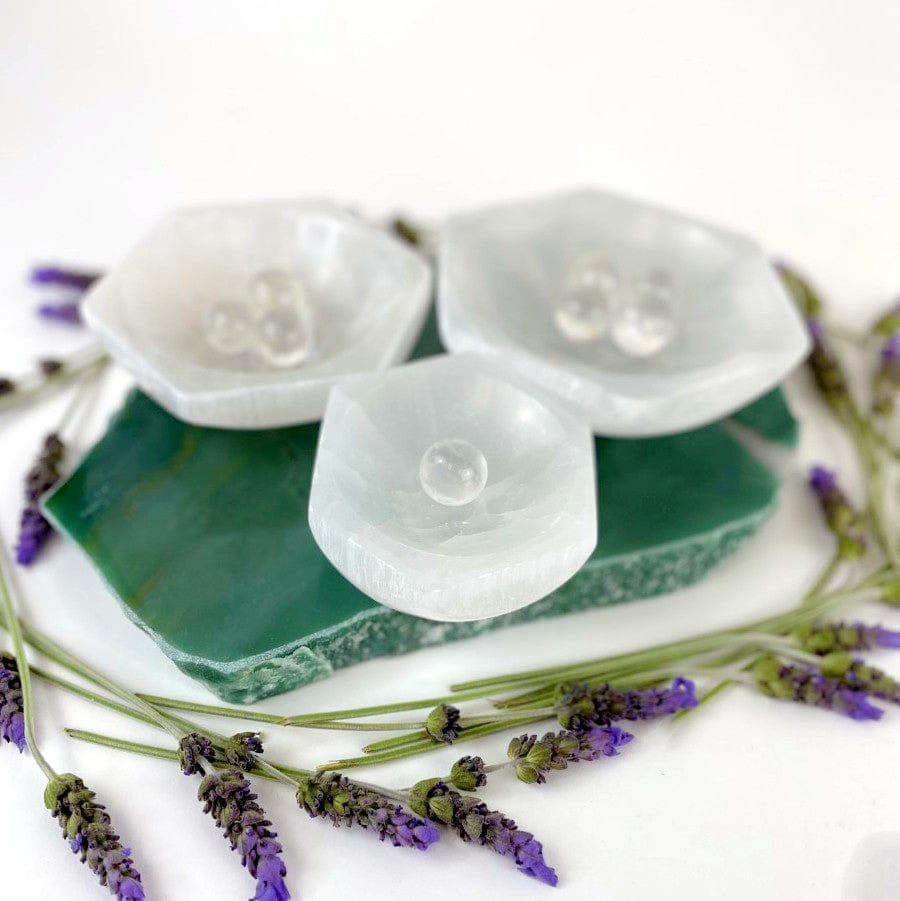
(202, 534)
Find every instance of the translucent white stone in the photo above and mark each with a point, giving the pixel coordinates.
(453, 472)
(583, 309)
(332, 296)
(453, 489)
(283, 318)
(873, 873)
(735, 333)
(229, 328)
(644, 322)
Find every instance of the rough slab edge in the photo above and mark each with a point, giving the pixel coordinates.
(380, 631)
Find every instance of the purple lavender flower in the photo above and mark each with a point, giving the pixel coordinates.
(34, 530)
(840, 515)
(472, 820)
(840, 636)
(227, 797)
(581, 707)
(886, 378)
(336, 798)
(468, 773)
(62, 277)
(89, 831)
(861, 677)
(442, 724)
(12, 717)
(241, 750)
(532, 757)
(807, 685)
(193, 750)
(68, 311)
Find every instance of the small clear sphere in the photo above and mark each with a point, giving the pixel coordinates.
(644, 323)
(453, 472)
(283, 317)
(229, 328)
(582, 312)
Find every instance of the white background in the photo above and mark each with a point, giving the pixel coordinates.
(776, 118)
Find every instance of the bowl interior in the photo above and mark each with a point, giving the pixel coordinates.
(355, 277)
(509, 264)
(375, 438)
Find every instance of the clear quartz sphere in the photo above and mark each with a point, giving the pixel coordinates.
(453, 472)
(644, 323)
(283, 317)
(229, 328)
(583, 309)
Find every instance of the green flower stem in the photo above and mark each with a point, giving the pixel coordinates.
(679, 650)
(423, 745)
(397, 741)
(34, 387)
(237, 713)
(325, 716)
(18, 641)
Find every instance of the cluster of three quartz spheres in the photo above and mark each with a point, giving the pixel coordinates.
(462, 486)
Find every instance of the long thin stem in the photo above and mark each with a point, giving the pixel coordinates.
(32, 388)
(18, 641)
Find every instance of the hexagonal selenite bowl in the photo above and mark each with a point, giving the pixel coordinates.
(365, 295)
(733, 332)
(530, 528)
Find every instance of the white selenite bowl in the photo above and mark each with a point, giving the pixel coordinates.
(532, 526)
(737, 333)
(368, 292)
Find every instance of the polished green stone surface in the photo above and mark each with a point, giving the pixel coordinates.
(202, 534)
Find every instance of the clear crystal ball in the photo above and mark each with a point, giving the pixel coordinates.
(582, 312)
(453, 472)
(644, 323)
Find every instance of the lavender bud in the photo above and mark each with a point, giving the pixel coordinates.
(12, 714)
(241, 750)
(68, 311)
(840, 515)
(193, 750)
(228, 798)
(89, 831)
(886, 378)
(7, 386)
(468, 773)
(34, 529)
(840, 636)
(533, 757)
(49, 366)
(889, 322)
(859, 676)
(806, 685)
(580, 707)
(442, 724)
(63, 277)
(473, 821)
(345, 803)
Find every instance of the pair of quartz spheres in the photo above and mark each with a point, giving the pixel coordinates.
(462, 486)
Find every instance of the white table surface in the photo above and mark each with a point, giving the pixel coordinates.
(777, 119)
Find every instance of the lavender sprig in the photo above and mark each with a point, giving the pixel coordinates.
(886, 378)
(89, 831)
(581, 707)
(808, 685)
(840, 515)
(12, 715)
(63, 277)
(472, 820)
(829, 637)
(34, 530)
(228, 798)
(346, 803)
(533, 757)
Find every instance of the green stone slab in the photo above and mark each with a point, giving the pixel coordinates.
(202, 535)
